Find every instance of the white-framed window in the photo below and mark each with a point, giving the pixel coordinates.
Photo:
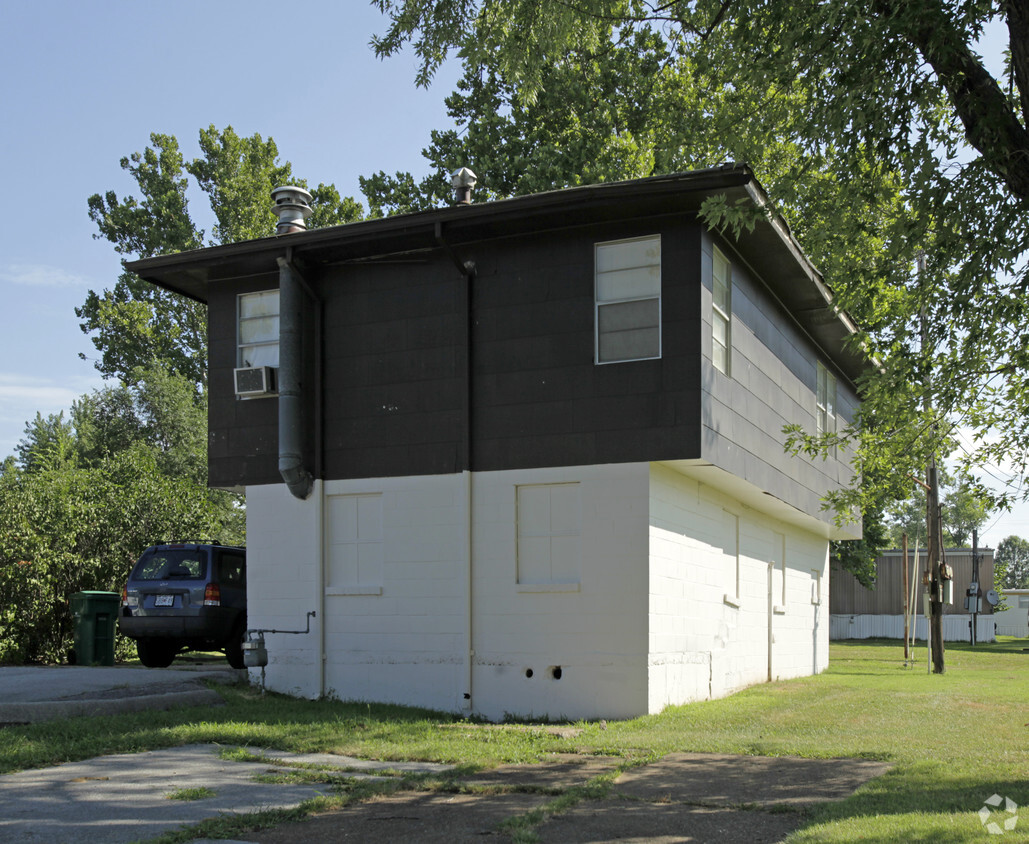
(721, 312)
(549, 521)
(628, 299)
(257, 321)
(353, 543)
(825, 401)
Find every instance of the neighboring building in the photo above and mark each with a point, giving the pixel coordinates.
(860, 613)
(1014, 619)
(541, 443)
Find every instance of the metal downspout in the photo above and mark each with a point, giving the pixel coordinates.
(292, 422)
(467, 269)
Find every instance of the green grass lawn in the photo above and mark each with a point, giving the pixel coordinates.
(954, 740)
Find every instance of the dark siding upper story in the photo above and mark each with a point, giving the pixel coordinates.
(418, 371)
(240, 434)
(395, 358)
(771, 384)
(393, 365)
(538, 397)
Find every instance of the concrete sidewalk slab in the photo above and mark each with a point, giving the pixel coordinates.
(124, 797)
(351, 764)
(29, 694)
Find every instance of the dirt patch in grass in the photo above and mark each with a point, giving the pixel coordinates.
(683, 796)
(716, 779)
(437, 818)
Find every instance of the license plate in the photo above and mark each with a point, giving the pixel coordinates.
(164, 601)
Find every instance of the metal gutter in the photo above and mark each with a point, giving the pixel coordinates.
(422, 224)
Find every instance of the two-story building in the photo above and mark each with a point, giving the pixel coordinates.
(527, 457)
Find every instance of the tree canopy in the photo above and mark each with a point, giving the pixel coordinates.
(877, 129)
(85, 496)
(135, 324)
(1011, 561)
(964, 509)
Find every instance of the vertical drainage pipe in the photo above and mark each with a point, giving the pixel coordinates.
(469, 275)
(467, 269)
(292, 421)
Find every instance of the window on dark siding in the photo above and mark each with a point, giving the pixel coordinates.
(721, 313)
(628, 299)
(825, 401)
(258, 328)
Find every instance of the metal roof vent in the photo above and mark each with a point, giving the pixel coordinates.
(292, 205)
(463, 181)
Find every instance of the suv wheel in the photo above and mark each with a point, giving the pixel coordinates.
(156, 653)
(234, 647)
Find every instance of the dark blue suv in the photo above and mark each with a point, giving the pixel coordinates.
(186, 596)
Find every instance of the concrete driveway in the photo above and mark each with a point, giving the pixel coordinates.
(42, 693)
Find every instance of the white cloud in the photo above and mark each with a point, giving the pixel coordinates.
(40, 275)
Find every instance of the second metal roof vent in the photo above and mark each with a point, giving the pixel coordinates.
(292, 205)
(463, 181)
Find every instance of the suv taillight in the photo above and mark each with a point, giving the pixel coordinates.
(213, 595)
(125, 596)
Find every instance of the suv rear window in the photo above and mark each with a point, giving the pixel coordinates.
(232, 569)
(170, 564)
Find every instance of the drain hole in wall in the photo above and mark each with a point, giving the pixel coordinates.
(555, 672)
(528, 673)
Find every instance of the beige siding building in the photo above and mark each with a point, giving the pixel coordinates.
(860, 613)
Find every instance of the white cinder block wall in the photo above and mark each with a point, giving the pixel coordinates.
(708, 636)
(396, 633)
(283, 536)
(592, 627)
(617, 590)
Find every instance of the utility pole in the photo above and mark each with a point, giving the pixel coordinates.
(973, 591)
(934, 523)
(935, 547)
(907, 609)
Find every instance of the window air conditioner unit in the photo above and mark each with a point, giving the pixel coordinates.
(254, 381)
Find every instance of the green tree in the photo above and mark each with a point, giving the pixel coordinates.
(86, 496)
(965, 508)
(875, 127)
(638, 109)
(159, 409)
(858, 556)
(964, 504)
(136, 325)
(65, 529)
(1011, 561)
(48, 443)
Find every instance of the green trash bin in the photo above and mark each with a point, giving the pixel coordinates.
(95, 615)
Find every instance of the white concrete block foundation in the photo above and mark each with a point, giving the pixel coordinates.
(571, 592)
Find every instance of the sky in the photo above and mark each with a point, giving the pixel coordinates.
(86, 84)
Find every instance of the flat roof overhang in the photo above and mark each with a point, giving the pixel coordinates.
(769, 248)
